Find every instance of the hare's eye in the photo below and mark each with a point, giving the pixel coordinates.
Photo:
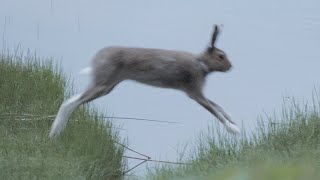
(221, 56)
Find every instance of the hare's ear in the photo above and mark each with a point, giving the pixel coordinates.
(214, 38)
(214, 35)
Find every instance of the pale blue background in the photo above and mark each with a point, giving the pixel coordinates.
(273, 45)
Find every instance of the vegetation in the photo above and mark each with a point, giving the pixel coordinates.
(283, 147)
(31, 91)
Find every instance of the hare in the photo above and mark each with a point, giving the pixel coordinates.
(157, 67)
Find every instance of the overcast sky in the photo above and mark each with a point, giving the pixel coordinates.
(274, 47)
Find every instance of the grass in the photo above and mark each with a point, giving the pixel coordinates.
(286, 146)
(86, 150)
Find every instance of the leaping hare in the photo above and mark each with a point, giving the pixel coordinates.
(162, 68)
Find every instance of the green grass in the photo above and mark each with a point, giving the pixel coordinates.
(85, 150)
(286, 146)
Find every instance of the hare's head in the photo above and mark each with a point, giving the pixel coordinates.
(214, 58)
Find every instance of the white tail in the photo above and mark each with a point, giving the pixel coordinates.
(157, 67)
(86, 71)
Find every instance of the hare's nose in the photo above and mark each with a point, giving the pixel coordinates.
(228, 68)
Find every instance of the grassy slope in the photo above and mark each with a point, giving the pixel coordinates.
(282, 148)
(86, 149)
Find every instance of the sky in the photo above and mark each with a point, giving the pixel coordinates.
(274, 47)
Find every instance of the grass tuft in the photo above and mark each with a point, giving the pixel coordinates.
(282, 147)
(32, 86)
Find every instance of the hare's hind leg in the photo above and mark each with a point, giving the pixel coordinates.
(66, 109)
